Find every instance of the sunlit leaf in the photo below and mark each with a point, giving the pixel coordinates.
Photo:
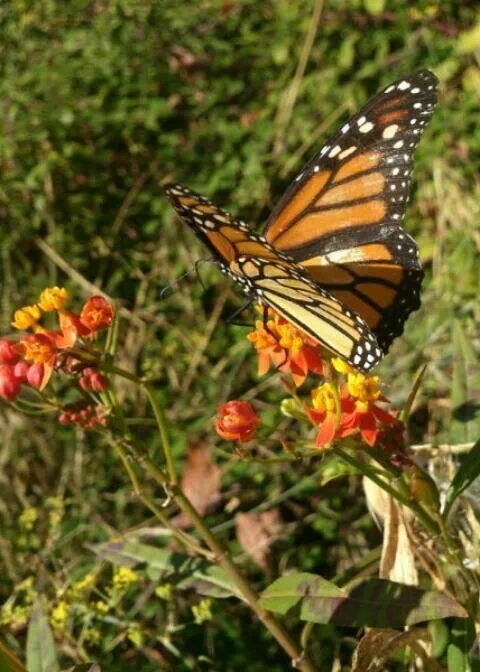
(41, 653)
(369, 602)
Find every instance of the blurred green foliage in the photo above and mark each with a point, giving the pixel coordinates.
(102, 100)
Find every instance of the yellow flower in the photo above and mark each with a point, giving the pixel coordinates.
(101, 606)
(59, 616)
(324, 398)
(123, 577)
(79, 588)
(341, 366)
(202, 611)
(53, 298)
(28, 518)
(364, 388)
(164, 592)
(26, 317)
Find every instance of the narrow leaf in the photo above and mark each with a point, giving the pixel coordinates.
(467, 472)
(185, 572)
(371, 602)
(41, 653)
(462, 637)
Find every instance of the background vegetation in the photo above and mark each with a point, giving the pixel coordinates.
(100, 102)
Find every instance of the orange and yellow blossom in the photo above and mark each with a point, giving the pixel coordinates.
(40, 349)
(53, 298)
(26, 317)
(97, 313)
(325, 412)
(286, 347)
(360, 413)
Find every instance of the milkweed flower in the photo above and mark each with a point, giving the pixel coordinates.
(9, 383)
(8, 352)
(26, 317)
(286, 348)
(97, 313)
(325, 413)
(360, 413)
(236, 421)
(92, 380)
(53, 298)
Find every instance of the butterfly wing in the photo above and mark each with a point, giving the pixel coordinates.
(277, 281)
(341, 217)
(313, 310)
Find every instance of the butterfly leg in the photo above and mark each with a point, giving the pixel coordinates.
(239, 311)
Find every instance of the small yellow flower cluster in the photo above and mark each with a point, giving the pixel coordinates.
(123, 577)
(164, 592)
(202, 611)
(16, 611)
(52, 298)
(56, 511)
(28, 518)
(78, 589)
(59, 616)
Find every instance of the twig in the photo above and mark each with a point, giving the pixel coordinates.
(286, 107)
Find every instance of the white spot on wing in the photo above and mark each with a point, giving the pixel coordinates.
(366, 128)
(390, 131)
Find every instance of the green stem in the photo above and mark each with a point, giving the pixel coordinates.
(162, 428)
(12, 663)
(184, 539)
(371, 473)
(299, 660)
(249, 595)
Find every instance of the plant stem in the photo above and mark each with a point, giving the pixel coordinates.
(369, 472)
(12, 663)
(162, 428)
(245, 590)
(249, 595)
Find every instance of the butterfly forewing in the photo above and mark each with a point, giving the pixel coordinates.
(277, 281)
(341, 217)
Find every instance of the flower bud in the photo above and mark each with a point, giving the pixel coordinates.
(236, 421)
(8, 352)
(9, 383)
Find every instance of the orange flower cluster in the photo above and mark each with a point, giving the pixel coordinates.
(345, 404)
(344, 409)
(32, 359)
(282, 345)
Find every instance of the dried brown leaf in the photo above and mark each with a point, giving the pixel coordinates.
(255, 533)
(200, 481)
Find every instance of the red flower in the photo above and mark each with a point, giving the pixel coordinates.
(287, 348)
(236, 421)
(92, 380)
(9, 383)
(325, 413)
(36, 375)
(359, 410)
(8, 352)
(96, 313)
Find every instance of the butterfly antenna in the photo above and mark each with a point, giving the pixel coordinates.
(172, 284)
(198, 264)
(238, 312)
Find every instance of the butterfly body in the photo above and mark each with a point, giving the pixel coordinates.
(334, 259)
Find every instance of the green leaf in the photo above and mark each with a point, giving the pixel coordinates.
(86, 667)
(374, 6)
(333, 467)
(41, 653)
(465, 388)
(467, 472)
(186, 572)
(462, 636)
(371, 602)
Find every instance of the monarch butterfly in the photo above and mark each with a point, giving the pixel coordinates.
(334, 259)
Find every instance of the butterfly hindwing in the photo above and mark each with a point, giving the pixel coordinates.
(341, 217)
